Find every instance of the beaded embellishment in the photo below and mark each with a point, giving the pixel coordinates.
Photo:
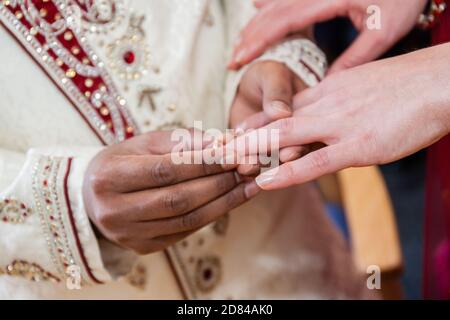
(57, 222)
(29, 271)
(14, 211)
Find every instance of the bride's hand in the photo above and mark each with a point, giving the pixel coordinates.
(372, 114)
(277, 19)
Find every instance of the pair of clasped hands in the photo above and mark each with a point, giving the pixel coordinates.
(371, 114)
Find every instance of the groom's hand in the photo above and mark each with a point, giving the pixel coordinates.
(265, 94)
(139, 199)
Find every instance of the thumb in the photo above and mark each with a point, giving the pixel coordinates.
(368, 46)
(277, 95)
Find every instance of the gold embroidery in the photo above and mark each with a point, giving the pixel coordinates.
(148, 94)
(138, 276)
(13, 211)
(29, 271)
(49, 203)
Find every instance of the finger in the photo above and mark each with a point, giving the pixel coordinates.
(312, 166)
(255, 121)
(277, 94)
(178, 199)
(163, 142)
(248, 169)
(283, 18)
(282, 133)
(308, 96)
(206, 214)
(291, 153)
(242, 108)
(249, 165)
(134, 173)
(365, 48)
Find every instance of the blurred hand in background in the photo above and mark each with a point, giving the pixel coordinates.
(280, 18)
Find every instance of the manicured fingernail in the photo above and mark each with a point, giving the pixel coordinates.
(265, 179)
(280, 106)
(251, 189)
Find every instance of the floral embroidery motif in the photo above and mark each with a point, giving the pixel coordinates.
(129, 55)
(208, 273)
(50, 32)
(29, 271)
(13, 211)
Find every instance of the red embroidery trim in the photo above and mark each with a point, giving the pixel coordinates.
(79, 74)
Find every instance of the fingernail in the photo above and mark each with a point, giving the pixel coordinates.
(251, 189)
(265, 179)
(239, 131)
(280, 106)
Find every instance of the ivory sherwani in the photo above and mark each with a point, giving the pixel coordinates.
(78, 75)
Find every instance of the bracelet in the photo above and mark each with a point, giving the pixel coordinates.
(430, 19)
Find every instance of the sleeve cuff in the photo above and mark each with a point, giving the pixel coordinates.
(302, 56)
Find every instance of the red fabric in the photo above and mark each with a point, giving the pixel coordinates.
(437, 219)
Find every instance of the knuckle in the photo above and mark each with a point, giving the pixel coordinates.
(369, 142)
(286, 126)
(98, 180)
(176, 202)
(191, 221)
(106, 217)
(163, 173)
(225, 182)
(233, 199)
(320, 160)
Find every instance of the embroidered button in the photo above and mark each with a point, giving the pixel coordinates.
(208, 273)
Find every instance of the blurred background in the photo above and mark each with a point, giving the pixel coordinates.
(405, 179)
